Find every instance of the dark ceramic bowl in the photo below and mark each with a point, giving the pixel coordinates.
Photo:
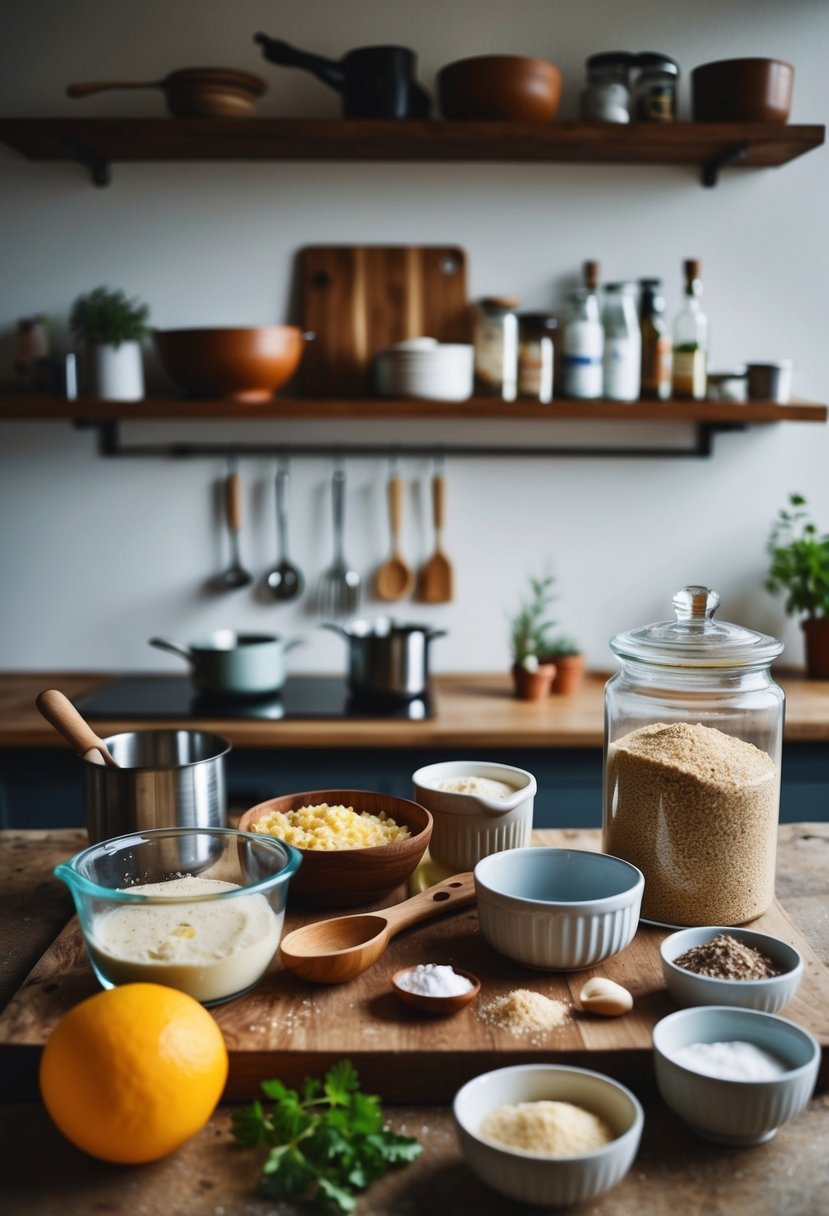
(508, 87)
(742, 90)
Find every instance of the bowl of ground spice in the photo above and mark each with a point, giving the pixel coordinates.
(548, 1134)
(727, 966)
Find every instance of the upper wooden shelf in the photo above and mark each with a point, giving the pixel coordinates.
(90, 409)
(97, 142)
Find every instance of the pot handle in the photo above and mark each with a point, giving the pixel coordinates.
(174, 648)
(292, 644)
(335, 628)
(278, 51)
(431, 634)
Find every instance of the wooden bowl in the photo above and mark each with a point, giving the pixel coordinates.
(440, 1006)
(244, 365)
(212, 92)
(506, 87)
(742, 90)
(348, 878)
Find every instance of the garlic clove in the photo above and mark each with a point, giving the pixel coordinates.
(605, 997)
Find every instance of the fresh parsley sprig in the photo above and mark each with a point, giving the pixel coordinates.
(325, 1144)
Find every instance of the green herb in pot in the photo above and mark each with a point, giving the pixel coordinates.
(324, 1144)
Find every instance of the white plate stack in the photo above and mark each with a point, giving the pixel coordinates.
(424, 367)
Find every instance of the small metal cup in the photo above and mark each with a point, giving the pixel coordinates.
(165, 779)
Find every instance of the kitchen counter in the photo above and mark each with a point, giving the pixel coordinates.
(472, 711)
(211, 1176)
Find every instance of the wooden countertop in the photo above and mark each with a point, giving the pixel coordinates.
(472, 710)
(44, 1176)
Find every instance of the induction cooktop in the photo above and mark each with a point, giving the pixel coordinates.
(161, 697)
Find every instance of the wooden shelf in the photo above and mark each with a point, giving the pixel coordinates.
(477, 408)
(96, 142)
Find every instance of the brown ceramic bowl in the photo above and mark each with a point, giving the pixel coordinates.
(347, 878)
(244, 365)
(742, 90)
(508, 87)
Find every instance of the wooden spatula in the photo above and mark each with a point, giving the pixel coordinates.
(435, 583)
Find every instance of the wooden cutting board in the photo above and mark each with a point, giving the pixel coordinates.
(289, 1029)
(358, 299)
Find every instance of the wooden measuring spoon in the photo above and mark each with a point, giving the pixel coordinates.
(58, 710)
(394, 579)
(435, 585)
(440, 1006)
(332, 951)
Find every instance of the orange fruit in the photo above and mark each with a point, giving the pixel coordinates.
(130, 1074)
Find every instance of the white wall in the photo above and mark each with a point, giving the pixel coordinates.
(97, 555)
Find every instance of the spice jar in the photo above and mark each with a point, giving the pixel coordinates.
(496, 347)
(606, 98)
(693, 736)
(654, 90)
(536, 355)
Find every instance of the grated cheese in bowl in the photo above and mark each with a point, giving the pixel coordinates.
(329, 828)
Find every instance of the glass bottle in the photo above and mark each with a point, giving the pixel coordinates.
(496, 347)
(622, 352)
(656, 342)
(536, 355)
(655, 88)
(690, 358)
(693, 743)
(606, 98)
(582, 343)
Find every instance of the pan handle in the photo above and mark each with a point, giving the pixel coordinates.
(174, 648)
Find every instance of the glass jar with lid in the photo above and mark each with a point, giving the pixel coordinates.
(536, 355)
(655, 87)
(496, 347)
(607, 97)
(693, 740)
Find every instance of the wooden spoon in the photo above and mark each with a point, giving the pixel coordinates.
(332, 951)
(435, 585)
(58, 710)
(394, 579)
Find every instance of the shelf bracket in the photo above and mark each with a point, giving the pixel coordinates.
(711, 167)
(99, 168)
(110, 444)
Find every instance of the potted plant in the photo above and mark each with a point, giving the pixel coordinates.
(567, 656)
(530, 631)
(800, 570)
(112, 325)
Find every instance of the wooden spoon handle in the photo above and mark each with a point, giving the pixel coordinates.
(395, 489)
(101, 86)
(233, 502)
(61, 713)
(444, 896)
(438, 501)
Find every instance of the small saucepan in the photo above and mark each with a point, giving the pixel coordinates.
(234, 664)
(386, 659)
(193, 92)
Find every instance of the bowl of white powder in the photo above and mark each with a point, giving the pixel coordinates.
(734, 1075)
(548, 1134)
(478, 807)
(197, 909)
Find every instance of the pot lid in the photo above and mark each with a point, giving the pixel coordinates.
(695, 639)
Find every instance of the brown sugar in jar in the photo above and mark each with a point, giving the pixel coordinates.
(696, 810)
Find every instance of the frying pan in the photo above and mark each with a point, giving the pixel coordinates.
(193, 92)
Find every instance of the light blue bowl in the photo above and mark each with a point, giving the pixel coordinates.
(732, 1112)
(769, 995)
(558, 909)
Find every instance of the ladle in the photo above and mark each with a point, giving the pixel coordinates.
(284, 580)
(58, 710)
(394, 578)
(236, 575)
(332, 951)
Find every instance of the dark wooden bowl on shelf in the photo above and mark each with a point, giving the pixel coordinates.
(515, 88)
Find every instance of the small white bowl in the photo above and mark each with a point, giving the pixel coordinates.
(558, 909)
(731, 1112)
(769, 995)
(530, 1177)
(468, 827)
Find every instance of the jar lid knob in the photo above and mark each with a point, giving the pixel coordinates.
(695, 604)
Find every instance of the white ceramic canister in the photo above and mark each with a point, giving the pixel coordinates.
(469, 826)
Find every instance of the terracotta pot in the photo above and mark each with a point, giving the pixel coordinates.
(816, 631)
(569, 674)
(533, 685)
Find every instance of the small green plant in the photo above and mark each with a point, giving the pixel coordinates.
(562, 647)
(799, 561)
(531, 627)
(109, 317)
